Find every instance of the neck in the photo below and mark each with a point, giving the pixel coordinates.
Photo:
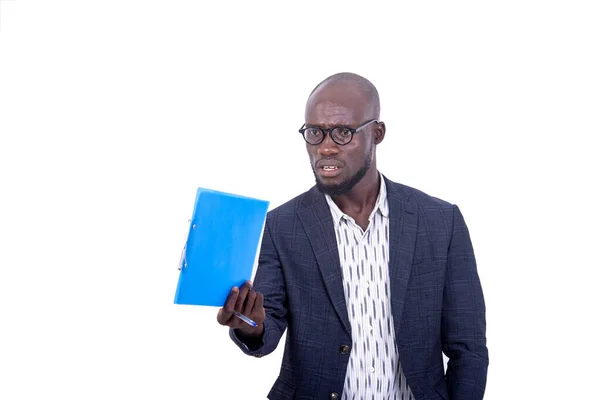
(362, 196)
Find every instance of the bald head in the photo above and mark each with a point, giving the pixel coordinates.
(351, 90)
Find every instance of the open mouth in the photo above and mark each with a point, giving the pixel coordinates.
(329, 170)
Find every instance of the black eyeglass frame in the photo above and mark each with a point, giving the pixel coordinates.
(326, 131)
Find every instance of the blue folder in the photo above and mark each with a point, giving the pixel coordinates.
(221, 246)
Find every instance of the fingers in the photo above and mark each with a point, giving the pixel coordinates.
(234, 295)
(249, 303)
(259, 303)
(222, 318)
(241, 300)
(225, 314)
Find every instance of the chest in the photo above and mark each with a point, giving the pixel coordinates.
(363, 254)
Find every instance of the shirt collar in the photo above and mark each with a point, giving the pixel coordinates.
(381, 204)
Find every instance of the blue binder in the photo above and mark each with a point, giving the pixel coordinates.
(221, 246)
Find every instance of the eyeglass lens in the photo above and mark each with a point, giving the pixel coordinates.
(316, 135)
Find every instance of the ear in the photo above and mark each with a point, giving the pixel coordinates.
(379, 132)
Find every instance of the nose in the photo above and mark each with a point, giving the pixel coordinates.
(328, 147)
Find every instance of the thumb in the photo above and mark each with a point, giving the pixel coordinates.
(221, 318)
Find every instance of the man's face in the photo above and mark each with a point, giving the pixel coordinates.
(338, 168)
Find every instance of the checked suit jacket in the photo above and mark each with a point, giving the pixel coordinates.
(436, 298)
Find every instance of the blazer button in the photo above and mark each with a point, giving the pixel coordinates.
(344, 349)
(334, 396)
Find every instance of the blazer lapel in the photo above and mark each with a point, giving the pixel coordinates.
(403, 234)
(315, 217)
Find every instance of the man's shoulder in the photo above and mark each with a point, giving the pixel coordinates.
(418, 197)
(291, 206)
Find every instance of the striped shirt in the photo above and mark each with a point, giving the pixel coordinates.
(374, 370)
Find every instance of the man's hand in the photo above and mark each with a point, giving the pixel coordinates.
(247, 302)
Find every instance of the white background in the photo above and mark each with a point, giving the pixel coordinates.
(113, 113)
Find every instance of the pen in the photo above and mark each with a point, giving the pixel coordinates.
(245, 319)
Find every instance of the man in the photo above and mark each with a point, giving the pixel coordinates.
(373, 280)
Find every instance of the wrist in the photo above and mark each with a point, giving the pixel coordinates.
(250, 332)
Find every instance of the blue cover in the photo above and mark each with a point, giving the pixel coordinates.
(221, 247)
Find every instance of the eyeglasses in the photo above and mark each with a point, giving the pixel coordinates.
(341, 135)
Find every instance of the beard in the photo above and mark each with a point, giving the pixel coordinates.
(347, 185)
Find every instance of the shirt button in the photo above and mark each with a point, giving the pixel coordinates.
(373, 370)
(344, 349)
(334, 396)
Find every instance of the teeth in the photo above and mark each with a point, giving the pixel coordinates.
(329, 167)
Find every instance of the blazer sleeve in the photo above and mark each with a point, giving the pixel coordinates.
(269, 281)
(463, 318)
